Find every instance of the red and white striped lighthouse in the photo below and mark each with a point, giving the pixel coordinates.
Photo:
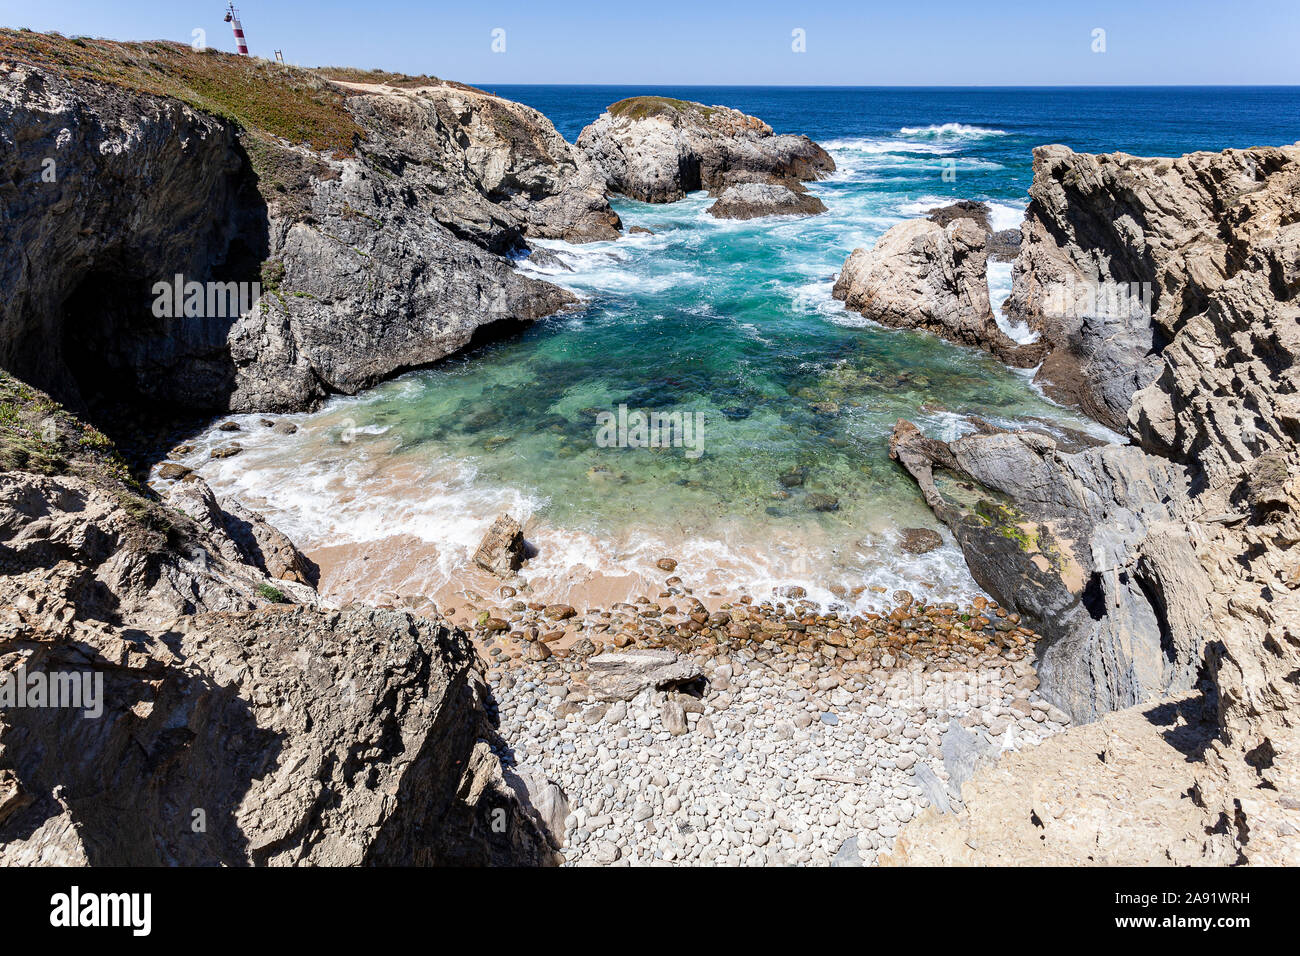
(232, 17)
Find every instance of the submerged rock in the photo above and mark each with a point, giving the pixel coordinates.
(920, 540)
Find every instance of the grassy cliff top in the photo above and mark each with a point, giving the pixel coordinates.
(264, 98)
(644, 107)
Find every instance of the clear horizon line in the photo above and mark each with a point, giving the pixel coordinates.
(908, 86)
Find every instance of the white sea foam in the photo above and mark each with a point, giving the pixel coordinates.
(922, 205)
(874, 146)
(1004, 215)
(999, 275)
(959, 131)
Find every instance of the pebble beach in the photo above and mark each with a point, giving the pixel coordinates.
(805, 738)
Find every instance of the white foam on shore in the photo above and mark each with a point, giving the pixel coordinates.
(410, 525)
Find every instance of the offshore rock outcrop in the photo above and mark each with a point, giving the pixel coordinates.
(384, 254)
(238, 723)
(923, 275)
(754, 200)
(1176, 558)
(658, 149)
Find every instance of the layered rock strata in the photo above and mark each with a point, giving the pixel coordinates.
(921, 275)
(1173, 563)
(219, 716)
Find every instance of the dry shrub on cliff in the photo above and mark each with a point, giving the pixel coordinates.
(39, 436)
(644, 107)
(265, 98)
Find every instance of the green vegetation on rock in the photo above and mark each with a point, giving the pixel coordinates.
(264, 98)
(643, 107)
(37, 435)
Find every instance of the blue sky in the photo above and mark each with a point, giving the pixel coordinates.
(859, 43)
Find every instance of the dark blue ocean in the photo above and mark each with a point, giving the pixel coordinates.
(1139, 120)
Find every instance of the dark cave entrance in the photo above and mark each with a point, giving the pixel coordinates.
(135, 374)
(102, 322)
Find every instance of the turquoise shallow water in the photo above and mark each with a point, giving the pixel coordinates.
(731, 323)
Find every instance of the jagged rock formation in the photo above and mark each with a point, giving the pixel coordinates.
(240, 534)
(921, 275)
(240, 724)
(1089, 544)
(657, 149)
(1184, 550)
(1094, 228)
(1003, 245)
(752, 200)
(493, 171)
(379, 254)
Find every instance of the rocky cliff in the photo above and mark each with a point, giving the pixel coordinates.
(1119, 253)
(224, 718)
(234, 720)
(658, 149)
(367, 227)
(923, 275)
(1169, 565)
